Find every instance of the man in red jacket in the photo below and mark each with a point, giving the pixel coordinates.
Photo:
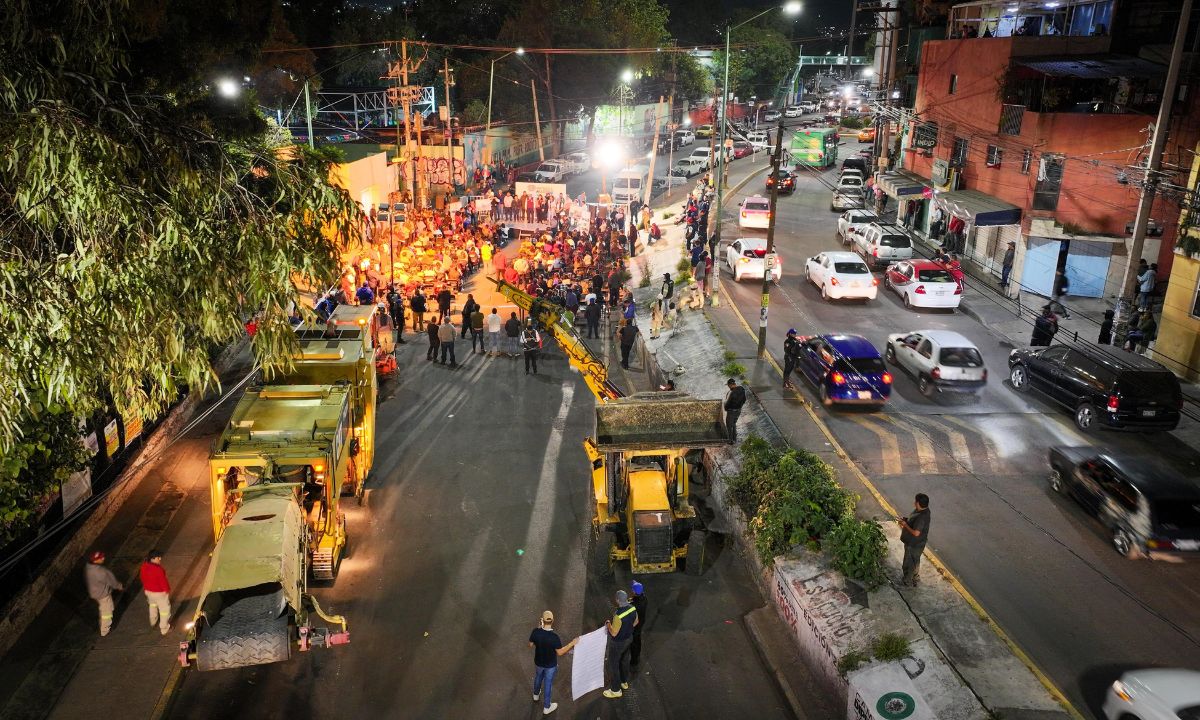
(158, 591)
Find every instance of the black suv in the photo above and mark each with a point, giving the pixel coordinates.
(1103, 386)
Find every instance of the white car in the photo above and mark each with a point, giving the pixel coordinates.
(684, 137)
(550, 171)
(576, 162)
(848, 194)
(1154, 694)
(792, 111)
(841, 275)
(690, 166)
(940, 360)
(851, 220)
(747, 257)
(670, 181)
(755, 212)
(851, 172)
(771, 116)
(923, 283)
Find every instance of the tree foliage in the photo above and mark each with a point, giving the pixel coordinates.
(144, 219)
(757, 67)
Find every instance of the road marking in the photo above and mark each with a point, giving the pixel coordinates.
(989, 448)
(889, 445)
(958, 441)
(936, 561)
(927, 456)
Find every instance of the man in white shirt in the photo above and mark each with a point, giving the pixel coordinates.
(494, 324)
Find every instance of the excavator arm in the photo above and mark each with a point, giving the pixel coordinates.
(558, 321)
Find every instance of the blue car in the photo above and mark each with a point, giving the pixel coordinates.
(844, 369)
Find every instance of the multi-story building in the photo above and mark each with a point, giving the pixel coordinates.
(1028, 128)
(1178, 344)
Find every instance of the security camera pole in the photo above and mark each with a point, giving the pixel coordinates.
(769, 260)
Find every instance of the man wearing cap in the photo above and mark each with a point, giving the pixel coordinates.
(639, 603)
(791, 355)
(735, 398)
(547, 647)
(100, 586)
(158, 591)
(620, 634)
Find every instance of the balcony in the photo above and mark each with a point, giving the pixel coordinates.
(1028, 18)
(1090, 84)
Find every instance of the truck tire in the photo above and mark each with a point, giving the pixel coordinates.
(696, 544)
(600, 554)
(252, 631)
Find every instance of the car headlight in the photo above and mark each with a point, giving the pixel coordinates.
(1122, 691)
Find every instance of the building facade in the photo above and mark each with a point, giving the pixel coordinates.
(1178, 344)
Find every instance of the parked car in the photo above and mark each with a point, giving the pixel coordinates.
(882, 244)
(867, 134)
(923, 283)
(1154, 694)
(1147, 508)
(741, 149)
(755, 212)
(771, 116)
(685, 137)
(792, 111)
(1104, 387)
(704, 153)
(527, 177)
(690, 166)
(704, 131)
(669, 181)
(940, 360)
(855, 163)
(786, 180)
(747, 257)
(848, 194)
(550, 172)
(760, 139)
(852, 220)
(841, 276)
(844, 369)
(576, 162)
(850, 172)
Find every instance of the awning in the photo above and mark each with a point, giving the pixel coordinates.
(979, 208)
(901, 184)
(1093, 67)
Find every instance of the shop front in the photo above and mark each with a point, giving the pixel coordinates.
(912, 193)
(979, 226)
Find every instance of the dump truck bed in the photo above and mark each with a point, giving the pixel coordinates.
(646, 421)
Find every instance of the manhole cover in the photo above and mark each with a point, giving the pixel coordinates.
(895, 706)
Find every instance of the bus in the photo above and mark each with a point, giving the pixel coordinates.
(815, 147)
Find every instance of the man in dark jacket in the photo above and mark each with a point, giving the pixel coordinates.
(914, 533)
(530, 344)
(791, 355)
(639, 602)
(1061, 286)
(432, 331)
(396, 310)
(512, 334)
(735, 398)
(469, 307)
(592, 314)
(627, 335)
(417, 305)
(1044, 328)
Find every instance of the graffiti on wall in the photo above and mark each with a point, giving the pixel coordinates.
(435, 168)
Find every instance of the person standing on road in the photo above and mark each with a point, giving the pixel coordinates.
(446, 336)
(494, 325)
(431, 330)
(1106, 327)
(1044, 328)
(656, 317)
(547, 648)
(417, 305)
(735, 398)
(639, 603)
(469, 308)
(530, 343)
(914, 533)
(592, 314)
(396, 309)
(512, 334)
(791, 355)
(477, 328)
(100, 586)
(1006, 266)
(627, 336)
(666, 292)
(158, 591)
(620, 634)
(1061, 286)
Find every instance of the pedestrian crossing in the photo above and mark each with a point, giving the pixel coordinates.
(890, 443)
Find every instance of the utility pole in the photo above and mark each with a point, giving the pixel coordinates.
(647, 190)
(1162, 125)
(308, 114)
(850, 37)
(537, 122)
(770, 259)
(449, 116)
(714, 219)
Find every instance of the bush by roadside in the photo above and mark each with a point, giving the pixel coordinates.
(792, 498)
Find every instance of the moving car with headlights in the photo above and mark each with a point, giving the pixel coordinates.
(1154, 694)
(845, 369)
(793, 111)
(923, 283)
(690, 166)
(704, 131)
(755, 212)
(867, 134)
(881, 244)
(771, 116)
(1104, 387)
(747, 257)
(940, 360)
(841, 276)
(1147, 509)
(786, 180)
(853, 220)
(742, 149)
(848, 194)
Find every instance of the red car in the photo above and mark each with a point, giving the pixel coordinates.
(742, 149)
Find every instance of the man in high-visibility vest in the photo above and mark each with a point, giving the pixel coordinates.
(620, 633)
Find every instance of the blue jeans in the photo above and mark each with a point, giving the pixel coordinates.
(545, 675)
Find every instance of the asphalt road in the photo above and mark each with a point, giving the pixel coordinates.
(475, 523)
(1041, 567)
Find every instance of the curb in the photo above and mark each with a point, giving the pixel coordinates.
(25, 607)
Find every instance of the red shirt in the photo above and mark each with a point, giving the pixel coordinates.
(154, 578)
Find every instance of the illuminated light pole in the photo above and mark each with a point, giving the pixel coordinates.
(491, 85)
(714, 244)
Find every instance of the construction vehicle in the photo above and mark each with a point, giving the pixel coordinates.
(277, 474)
(642, 456)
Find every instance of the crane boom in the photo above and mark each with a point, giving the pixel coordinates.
(559, 323)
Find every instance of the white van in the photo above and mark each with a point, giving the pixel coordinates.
(628, 184)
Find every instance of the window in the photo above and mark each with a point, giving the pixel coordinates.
(994, 156)
(958, 157)
(1049, 182)
(1026, 161)
(953, 84)
(926, 349)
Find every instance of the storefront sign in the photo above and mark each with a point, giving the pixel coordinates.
(925, 137)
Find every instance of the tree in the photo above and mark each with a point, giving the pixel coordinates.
(145, 219)
(760, 59)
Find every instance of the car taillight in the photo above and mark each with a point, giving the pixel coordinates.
(958, 288)
(834, 281)
(743, 213)
(875, 252)
(935, 373)
(837, 378)
(887, 378)
(874, 281)
(1113, 402)
(1159, 544)
(920, 290)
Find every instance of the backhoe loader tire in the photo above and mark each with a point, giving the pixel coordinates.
(600, 554)
(249, 632)
(694, 565)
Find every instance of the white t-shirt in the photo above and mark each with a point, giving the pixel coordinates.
(494, 322)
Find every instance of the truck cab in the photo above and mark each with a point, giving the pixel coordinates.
(628, 184)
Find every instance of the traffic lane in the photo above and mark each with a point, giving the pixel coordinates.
(474, 525)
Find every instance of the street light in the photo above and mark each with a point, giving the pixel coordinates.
(627, 76)
(491, 84)
(228, 88)
(610, 155)
(789, 8)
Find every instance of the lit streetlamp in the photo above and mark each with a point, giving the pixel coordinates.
(790, 8)
(491, 84)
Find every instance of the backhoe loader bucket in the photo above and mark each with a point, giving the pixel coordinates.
(647, 421)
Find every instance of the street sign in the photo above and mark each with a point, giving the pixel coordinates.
(772, 261)
(925, 137)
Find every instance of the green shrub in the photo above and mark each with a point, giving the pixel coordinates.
(890, 646)
(857, 549)
(851, 661)
(684, 266)
(733, 368)
(731, 355)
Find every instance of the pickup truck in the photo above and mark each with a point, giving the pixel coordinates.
(551, 171)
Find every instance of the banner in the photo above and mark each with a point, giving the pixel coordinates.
(587, 669)
(543, 188)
